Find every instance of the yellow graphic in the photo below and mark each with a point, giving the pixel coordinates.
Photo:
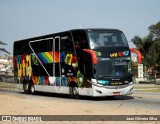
(68, 59)
(19, 69)
(36, 80)
(24, 67)
(113, 55)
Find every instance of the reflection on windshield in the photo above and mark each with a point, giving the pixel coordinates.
(114, 67)
(107, 39)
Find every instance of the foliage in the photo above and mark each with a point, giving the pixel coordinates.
(155, 30)
(135, 69)
(2, 49)
(149, 46)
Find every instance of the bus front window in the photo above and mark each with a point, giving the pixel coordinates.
(114, 67)
(98, 39)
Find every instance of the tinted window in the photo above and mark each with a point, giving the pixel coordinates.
(107, 39)
(42, 45)
(21, 47)
(66, 42)
(80, 39)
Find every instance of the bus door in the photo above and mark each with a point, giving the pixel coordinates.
(56, 63)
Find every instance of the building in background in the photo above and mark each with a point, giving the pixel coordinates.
(6, 68)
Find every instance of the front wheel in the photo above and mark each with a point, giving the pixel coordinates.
(33, 92)
(74, 92)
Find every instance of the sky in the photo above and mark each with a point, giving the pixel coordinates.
(21, 19)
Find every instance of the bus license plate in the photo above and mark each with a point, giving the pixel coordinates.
(116, 93)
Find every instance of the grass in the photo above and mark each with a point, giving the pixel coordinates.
(147, 88)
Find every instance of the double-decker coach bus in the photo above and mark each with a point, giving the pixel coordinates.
(90, 62)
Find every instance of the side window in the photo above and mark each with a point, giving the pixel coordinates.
(21, 47)
(42, 59)
(80, 40)
(66, 43)
(42, 45)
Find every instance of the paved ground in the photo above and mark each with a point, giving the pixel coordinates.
(15, 102)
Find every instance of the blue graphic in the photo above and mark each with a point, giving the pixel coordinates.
(63, 56)
(117, 74)
(58, 81)
(19, 59)
(64, 81)
(42, 80)
(126, 53)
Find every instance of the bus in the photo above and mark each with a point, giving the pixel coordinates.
(85, 62)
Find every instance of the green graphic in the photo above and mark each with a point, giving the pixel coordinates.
(80, 78)
(98, 53)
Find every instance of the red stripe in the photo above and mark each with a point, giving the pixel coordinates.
(56, 57)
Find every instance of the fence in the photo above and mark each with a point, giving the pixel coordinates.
(9, 79)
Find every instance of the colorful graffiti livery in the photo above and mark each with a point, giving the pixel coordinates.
(24, 63)
(45, 57)
(120, 54)
(24, 67)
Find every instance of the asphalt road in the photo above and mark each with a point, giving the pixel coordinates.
(147, 101)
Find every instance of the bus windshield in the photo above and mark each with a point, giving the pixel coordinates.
(106, 38)
(114, 67)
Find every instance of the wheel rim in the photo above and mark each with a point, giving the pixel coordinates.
(75, 91)
(26, 87)
(32, 89)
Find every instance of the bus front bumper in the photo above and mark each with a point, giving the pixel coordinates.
(112, 91)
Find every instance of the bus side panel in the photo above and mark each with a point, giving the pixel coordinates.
(37, 67)
(52, 89)
(85, 91)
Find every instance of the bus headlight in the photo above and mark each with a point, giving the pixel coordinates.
(103, 82)
(131, 83)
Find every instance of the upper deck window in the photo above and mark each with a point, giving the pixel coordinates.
(107, 38)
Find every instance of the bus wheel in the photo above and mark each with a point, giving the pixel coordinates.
(33, 92)
(75, 92)
(26, 88)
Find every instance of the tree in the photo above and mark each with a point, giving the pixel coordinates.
(2, 49)
(149, 46)
(144, 45)
(154, 30)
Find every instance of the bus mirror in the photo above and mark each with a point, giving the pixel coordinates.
(93, 55)
(139, 55)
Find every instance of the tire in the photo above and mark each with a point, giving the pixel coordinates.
(33, 92)
(74, 92)
(26, 88)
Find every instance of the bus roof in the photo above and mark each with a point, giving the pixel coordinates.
(85, 30)
(95, 29)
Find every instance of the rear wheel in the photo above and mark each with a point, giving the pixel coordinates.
(26, 88)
